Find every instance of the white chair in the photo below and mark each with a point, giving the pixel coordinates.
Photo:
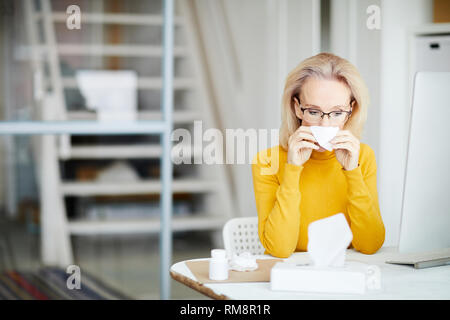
(241, 235)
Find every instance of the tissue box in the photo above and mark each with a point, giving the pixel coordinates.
(351, 278)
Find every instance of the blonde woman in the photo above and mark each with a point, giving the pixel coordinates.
(312, 183)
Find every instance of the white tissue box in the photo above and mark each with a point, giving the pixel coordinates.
(351, 278)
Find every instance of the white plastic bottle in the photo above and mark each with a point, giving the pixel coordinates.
(218, 265)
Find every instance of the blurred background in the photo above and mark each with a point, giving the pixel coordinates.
(94, 200)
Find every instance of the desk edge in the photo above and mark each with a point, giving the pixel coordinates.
(197, 286)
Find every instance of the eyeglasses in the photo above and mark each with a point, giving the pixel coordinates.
(315, 115)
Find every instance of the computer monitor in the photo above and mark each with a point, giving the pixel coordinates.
(425, 221)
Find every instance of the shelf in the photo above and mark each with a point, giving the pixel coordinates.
(117, 152)
(131, 50)
(150, 225)
(115, 18)
(178, 116)
(82, 127)
(143, 83)
(134, 188)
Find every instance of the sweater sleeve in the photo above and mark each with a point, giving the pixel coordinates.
(278, 206)
(363, 208)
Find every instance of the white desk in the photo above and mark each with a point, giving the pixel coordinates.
(397, 282)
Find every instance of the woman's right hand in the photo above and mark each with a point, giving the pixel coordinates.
(300, 146)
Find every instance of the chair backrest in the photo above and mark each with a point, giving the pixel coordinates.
(241, 235)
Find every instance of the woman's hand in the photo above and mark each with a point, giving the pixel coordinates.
(300, 146)
(347, 149)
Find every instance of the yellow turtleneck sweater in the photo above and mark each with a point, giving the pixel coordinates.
(289, 197)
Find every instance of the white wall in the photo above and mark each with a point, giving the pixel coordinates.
(397, 17)
(351, 39)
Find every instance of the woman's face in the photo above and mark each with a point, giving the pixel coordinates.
(324, 95)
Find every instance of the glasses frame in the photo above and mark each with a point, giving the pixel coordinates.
(327, 113)
(322, 114)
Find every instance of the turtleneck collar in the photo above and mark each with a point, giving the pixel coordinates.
(326, 155)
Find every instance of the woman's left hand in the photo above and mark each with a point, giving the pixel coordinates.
(347, 149)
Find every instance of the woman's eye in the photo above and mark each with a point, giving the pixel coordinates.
(337, 114)
(313, 113)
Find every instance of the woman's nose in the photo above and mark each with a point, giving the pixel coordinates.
(325, 121)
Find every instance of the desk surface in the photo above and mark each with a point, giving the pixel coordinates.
(397, 281)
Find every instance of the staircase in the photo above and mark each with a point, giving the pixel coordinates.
(206, 188)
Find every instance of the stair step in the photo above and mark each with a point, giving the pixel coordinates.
(84, 128)
(134, 188)
(143, 83)
(114, 18)
(178, 116)
(117, 152)
(149, 225)
(130, 50)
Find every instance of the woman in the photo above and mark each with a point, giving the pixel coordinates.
(312, 183)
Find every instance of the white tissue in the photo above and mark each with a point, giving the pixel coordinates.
(113, 94)
(354, 278)
(243, 262)
(373, 279)
(328, 240)
(323, 135)
(119, 171)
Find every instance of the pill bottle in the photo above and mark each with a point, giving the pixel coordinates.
(218, 265)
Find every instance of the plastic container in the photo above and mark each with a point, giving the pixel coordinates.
(218, 265)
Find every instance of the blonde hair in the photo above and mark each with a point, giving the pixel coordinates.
(324, 66)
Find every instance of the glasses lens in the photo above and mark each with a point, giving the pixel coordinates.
(338, 116)
(312, 115)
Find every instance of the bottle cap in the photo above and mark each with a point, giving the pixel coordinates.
(219, 253)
